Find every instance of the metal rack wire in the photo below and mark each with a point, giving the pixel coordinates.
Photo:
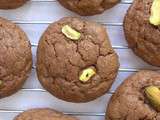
(34, 45)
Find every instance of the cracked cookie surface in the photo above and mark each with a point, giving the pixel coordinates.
(88, 7)
(129, 101)
(60, 61)
(15, 58)
(11, 4)
(43, 114)
(142, 37)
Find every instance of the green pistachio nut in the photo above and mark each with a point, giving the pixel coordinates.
(70, 33)
(87, 74)
(155, 13)
(153, 95)
(1, 82)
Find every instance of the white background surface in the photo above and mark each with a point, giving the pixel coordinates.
(34, 18)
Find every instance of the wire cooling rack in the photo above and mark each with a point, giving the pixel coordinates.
(33, 18)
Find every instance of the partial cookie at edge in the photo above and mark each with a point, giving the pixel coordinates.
(43, 114)
(15, 58)
(11, 4)
(129, 100)
(142, 37)
(88, 7)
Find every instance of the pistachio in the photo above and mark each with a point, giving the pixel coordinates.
(70, 33)
(153, 95)
(155, 13)
(1, 82)
(87, 74)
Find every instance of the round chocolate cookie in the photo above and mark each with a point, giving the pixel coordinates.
(43, 114)
(133, 99)
(15, 58)
(11, 4)
(88, 7)
(142, 37)
(75, 60)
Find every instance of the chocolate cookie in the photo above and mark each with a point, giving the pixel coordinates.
(142, 37)
(133, 99)
(43, 114)
(11, 4)
(15, 58)
(75, 60)
(88, 7)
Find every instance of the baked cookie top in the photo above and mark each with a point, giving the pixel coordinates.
(43, 114)
(76, 70)
(11, 4)
(130, 102)
(142, 37)
(88, 7)
(15, 57)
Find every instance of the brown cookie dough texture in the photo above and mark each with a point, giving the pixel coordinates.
(43, 114)
(15, 58)
(88, 7)
(11, 4)
(129, 101)
(142, 37)
(61, 60)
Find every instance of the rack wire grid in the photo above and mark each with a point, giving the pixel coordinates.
(34, 17)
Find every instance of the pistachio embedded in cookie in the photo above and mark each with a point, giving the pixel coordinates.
(87, 74)
(153, 95)
(93, 51)
(155, 13)
(134, 101)
(143, 37)
(1, 82)
(70, 33)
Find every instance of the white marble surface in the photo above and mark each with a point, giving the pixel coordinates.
(34, 18)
